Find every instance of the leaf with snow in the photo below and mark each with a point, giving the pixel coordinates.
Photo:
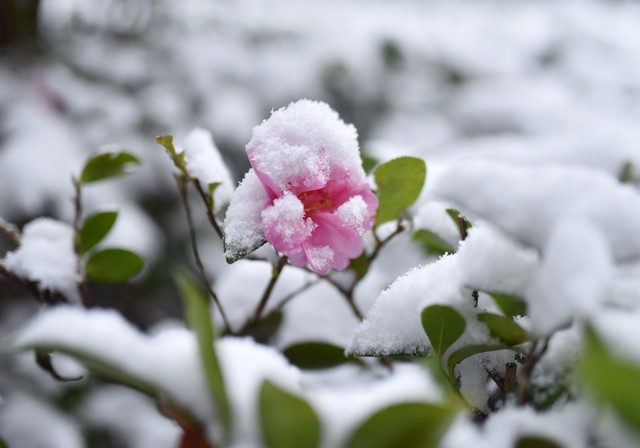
(443, 326)
(105, 165)
(399, 182)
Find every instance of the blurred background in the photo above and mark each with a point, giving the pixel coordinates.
(430, 78)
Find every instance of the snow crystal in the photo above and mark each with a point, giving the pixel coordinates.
(573, 279)
(285, 221)
(302, 142)
(243, 222)
(528, 201)
(320, 258)
(205, 163)
(46, 256)
(353, 213)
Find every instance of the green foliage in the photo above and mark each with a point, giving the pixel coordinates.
(443, 326)
(462, 223)
(611, 380)
(212, 188)
(107, 164)
(360, 265)
(511, 306)
(399, 182)
(287, 420)
(316, 355)
(369, 163)
(266, 328)
(626, 173)
(176, 158)
(536, 442)
(198, 315)
(431, 242)
(407, 425)
(465, 352)
(504, 329)
(95, 228)
(3, 444)
(113, 265)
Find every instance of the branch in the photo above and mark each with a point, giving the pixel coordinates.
(77, 202)
(207, 202)
(11, 231)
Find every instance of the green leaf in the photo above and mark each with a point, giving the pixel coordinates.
(369, 163)
(406, 425)
(316, 355)
(626, 173)
(3, 444)
(95, 228)
(176, 158)
(431, 242)
(465, 352)
(611, 380)
(198, 316)
(212, 188)
(360, 265)
(536, 442)
(107, 164)
(443, 326)
(266, 328)
(462, 223)
(511, 306)
(399, 184)
(287, 420)
(113, 265)
(504, 328)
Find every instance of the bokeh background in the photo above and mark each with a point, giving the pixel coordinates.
(429, 78)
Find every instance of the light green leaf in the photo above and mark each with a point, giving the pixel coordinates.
(443, 326)
(504, 328)
(399, 182)
(611, 380)
(410, 425)
(212, 188)
(113, 265)
(369, 163)
(95, 228)
(465, 352)
(176, 158)
(316, 355)
(431, 242)
(198, 316)
(510, 305)
(107, 164)
(287, 420)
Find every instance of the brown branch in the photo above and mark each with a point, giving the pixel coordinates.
(206, 198)
(531, 361)
(11, 231)
(182, 188)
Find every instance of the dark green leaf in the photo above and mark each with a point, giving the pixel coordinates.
(406, 425)
(264, 330)
(465, 352)
(287, 420)
(360, 265)
(443, 326)
(316, 355)
(95, 228)
(3, 444)
(107, 164)
(399, 184)
(113, 265)
(511, 306)
(369, 163)
(611, 380)
(536, 442)
(198, 315)
(626, 173)
(504, 328)
(431, 242)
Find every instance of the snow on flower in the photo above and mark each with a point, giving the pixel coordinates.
(319, 201)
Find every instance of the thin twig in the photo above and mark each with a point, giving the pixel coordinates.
(30, 286)
(77, 202)
(182, 188)
(286, 299)
(277, 270)
(11, 231)
(207, 202)
(527, 370)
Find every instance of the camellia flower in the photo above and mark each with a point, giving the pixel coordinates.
(315, 202)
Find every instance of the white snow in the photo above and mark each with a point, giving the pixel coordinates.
(353, 213)
(243, 222)
(285, 219)
(46, 256)
(204, 162)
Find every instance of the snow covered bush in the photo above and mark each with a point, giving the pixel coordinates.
(515, 327)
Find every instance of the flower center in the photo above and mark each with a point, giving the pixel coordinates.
(315, 200)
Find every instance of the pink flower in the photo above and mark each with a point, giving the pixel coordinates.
(319, 201)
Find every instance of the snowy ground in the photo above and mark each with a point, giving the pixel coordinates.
(525, 113)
